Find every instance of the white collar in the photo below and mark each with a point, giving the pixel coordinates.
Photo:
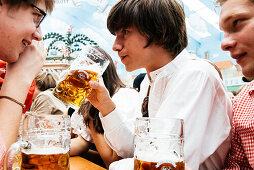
(172, 66)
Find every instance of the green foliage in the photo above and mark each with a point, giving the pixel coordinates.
(68, 43)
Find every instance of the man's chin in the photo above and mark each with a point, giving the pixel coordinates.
(129, 69)
(248, 73)
(12, 59)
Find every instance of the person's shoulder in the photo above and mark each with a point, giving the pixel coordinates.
(47, 92)
(43, 95)
(200, 66)
(46, 95)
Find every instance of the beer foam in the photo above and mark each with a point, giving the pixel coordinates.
(156, 149)
(156, 156)
(94, 67)
(45, 151)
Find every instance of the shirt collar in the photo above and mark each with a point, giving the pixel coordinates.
(171, 66)
(251, 91)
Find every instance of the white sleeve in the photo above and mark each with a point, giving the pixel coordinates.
(123, 164)
(79, 127)
(119, 124)
(201, 100)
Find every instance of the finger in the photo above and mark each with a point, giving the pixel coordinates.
(90, 95)
(101, 81)
(94, 84)
(39, 45)
(42, 48)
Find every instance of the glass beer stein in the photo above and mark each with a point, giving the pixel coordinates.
(43, 143)
(74, 88)
(159, 144)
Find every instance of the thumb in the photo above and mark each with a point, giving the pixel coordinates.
(97, 85)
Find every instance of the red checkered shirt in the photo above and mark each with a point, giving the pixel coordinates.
(2, 152)
(241, 154)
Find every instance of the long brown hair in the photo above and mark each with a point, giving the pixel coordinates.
(112, 83)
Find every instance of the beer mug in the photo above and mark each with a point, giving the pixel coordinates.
(43, 143)
(74, 88)
(158, 144)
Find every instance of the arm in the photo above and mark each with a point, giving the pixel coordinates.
(79, 146)
(107, 154)
(18, 78)
(236, 153)
(118, 124)
(2, 151)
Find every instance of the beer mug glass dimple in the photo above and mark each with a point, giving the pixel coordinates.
(44, 143)
(88, 64)
(158, 144)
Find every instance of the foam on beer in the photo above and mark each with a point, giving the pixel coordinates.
(45, 151)
(146, 149)
(156, 156)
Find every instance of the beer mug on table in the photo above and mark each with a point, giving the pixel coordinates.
(74, 88)
(43, 143)
(159, 144)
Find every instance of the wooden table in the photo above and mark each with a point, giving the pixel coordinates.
(79, 163)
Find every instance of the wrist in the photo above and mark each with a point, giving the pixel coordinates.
(16, 89)
(13, 100)
(106, 108)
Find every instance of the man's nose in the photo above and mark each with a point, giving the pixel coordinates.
(37, 35)
(117, 46)
(228, 43)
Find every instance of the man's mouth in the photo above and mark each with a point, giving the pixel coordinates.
(239, 56)
(122, 57)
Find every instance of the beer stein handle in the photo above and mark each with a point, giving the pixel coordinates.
(13, 155)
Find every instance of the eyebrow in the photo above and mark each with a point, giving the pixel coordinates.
(232, 15)
(235, 13)
(228, 18)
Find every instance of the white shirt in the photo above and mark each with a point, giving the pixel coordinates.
(125, 99)
(188, 88)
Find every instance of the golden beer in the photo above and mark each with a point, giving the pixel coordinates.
(143, 165)
(74, 88)
(58, 161)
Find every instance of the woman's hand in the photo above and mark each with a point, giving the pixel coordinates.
(100, 98)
